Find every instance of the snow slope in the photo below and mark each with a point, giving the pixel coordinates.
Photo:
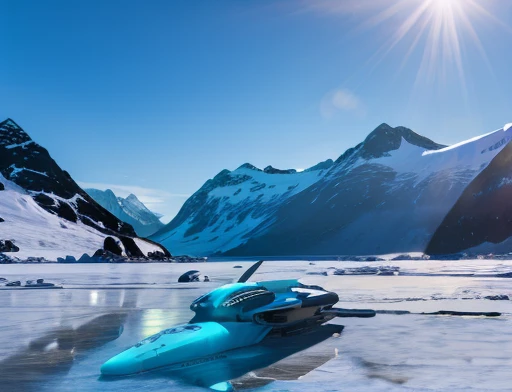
(228, 208)
(388, 194)
(39, 233)
(43, 209)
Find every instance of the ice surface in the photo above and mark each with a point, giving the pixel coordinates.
(74, 330)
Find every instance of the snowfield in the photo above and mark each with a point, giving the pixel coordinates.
(38, 233)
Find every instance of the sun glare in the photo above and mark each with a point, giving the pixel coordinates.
(440, 28)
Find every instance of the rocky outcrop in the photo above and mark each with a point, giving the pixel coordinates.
(110, 245)
(8, 246)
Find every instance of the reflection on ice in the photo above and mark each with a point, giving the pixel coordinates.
(54, 353)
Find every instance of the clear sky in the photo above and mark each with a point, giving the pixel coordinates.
(156, 97)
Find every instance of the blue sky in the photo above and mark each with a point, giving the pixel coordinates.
(156, 97)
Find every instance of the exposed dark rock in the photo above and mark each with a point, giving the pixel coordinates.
(2, 187)
(130, 247)
(321, 166)
(1, 219)
(65, 211)
(409, 257)
(189, 276)
(188, 259)
(454, 313)
(8, 246)
(35, 260)
(85, 258)
(104, 256)
(384, 270)
(272, 170)
(501, 297)
(67, 260)
(111, 245)
(156, 255)
(4, 259)
(44, 200)
(248, 166)
(385, 139)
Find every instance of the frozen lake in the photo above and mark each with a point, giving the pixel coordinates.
(56, 340)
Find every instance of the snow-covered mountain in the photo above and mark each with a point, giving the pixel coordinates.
(388, 194)
(130, 210)
(482, 216)
(45, 212)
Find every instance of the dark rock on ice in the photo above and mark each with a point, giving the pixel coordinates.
(188, 259)
(4, 259)
(392, 312)
(501, 297)
(68, 259)
(367, 270)
(322, 273)
(2, 187)
(156, 255)
(85, 258)
(189, 276)
(454, 313)
(35, 260)
(104, 256)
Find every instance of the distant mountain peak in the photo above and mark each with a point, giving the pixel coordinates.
(385, 138)
(110, 192)
(272, 170)
(10, 122)
(247, 165)
(11, 135)
(129, 209)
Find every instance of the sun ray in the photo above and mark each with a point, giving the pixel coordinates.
(442, 29)
(476, 40)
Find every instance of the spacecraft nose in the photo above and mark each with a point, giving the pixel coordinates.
(121, 365)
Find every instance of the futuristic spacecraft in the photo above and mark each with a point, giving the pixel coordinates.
(237, 328)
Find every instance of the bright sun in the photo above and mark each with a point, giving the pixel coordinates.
(438, 26)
